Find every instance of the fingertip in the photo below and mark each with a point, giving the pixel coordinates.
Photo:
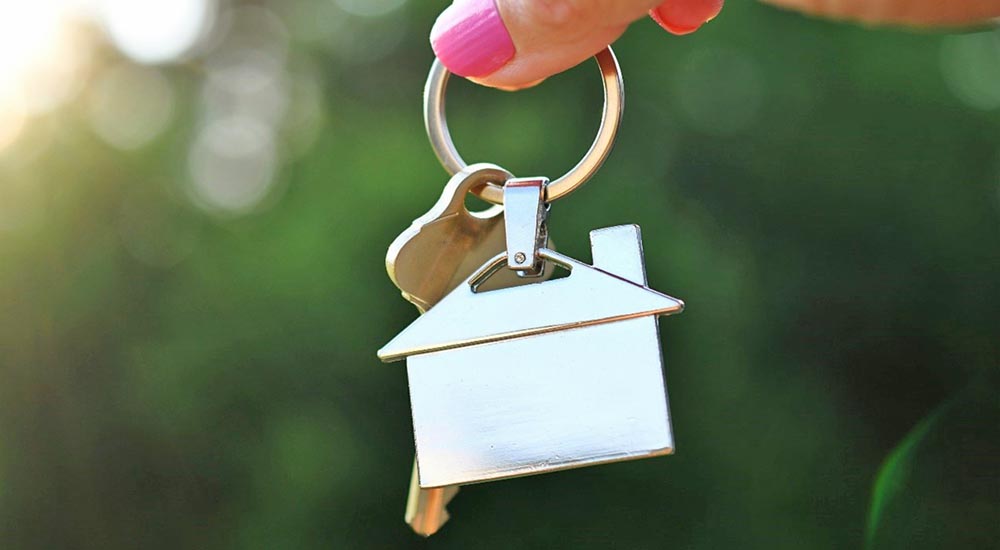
(670, 26)
(682, 17)
(506, 87)
(514, 44)
(471, 39)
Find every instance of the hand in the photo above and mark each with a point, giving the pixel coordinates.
(513, 44)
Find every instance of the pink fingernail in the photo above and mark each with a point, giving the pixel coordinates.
(470, 38)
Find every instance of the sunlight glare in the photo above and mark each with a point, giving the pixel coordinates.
(28, 31)
(157, 31)
(11, 117)
(41, 63)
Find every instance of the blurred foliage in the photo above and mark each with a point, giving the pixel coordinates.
(939, 488)
(824, 197)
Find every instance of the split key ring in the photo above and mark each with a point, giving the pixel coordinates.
(611, 115)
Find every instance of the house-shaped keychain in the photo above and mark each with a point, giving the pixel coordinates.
(547, 376)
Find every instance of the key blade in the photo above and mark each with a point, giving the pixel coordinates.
(430, 258)
(426, 510)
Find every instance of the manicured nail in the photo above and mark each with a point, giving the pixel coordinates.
(685, 16)
(470, 38)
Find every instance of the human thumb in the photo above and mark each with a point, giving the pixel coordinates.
(516, 43)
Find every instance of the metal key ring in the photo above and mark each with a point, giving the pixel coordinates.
(611, 115)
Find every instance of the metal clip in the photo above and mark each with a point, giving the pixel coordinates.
(525, 212)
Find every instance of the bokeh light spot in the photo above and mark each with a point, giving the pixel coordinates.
(130, 105)
(720, 91)
(232, 164)
(58, 78)
(251, 28)
(246, 73)
(970, 64)
(157, 31)
(249, 82)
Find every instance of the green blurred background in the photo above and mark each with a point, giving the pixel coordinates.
(195, 202)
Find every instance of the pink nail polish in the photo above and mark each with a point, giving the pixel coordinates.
(470, 38)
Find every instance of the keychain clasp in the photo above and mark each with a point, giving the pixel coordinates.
(525, 214)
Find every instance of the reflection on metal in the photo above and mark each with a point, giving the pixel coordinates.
(442, 247)
(469, 315)
(433, 256)
(524, 202)
(426, 509)
(540, 377)
(611, 115)
(511, 379)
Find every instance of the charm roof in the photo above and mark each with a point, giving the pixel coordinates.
(588, 296)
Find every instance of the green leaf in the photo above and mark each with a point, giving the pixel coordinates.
(940, 488)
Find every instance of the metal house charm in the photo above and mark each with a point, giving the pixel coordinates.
(542, 377)
(512, 373)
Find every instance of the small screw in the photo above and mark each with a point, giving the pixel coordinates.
(520, 257)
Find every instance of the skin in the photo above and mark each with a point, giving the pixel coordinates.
(553, 35)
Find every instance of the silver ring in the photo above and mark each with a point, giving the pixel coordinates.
(611, 116)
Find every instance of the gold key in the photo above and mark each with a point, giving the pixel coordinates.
(428, 260)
